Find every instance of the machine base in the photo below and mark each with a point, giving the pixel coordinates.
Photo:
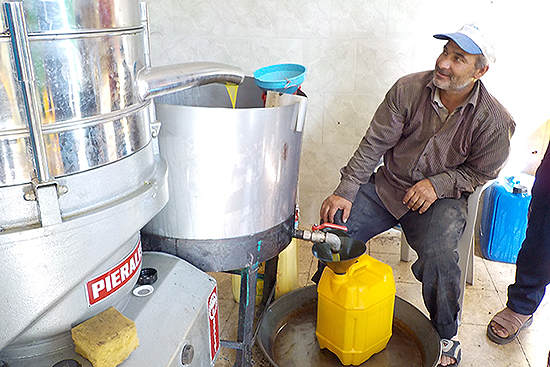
(173, 323)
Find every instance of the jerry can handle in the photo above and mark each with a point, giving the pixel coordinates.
(366, 263)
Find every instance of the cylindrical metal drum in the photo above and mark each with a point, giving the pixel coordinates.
(234, 175)
(87, 58)
(85, 64)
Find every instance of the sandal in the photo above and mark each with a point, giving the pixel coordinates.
(509, 320)
(451, 348)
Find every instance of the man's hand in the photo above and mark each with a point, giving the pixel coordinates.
(420, 196)
(331, 205)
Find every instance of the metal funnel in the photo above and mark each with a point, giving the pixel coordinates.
(351, 249)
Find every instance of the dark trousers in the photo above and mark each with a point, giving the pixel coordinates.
(533, 262)
(433, 235)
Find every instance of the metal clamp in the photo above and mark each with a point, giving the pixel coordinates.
(155, 128)
(31, 195)
(46, 194)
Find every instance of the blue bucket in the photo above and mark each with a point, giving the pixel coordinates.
(285, 78)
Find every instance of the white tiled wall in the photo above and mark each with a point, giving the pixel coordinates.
(354, 50)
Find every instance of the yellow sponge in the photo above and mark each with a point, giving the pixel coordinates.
(106, 339)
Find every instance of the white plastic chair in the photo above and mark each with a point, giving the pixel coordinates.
(465, 244)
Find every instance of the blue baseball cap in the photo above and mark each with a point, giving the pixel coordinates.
(470, 39)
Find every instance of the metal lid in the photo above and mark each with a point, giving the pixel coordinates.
(62, 17)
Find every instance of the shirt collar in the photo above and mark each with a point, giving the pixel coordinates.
(472, 98)
(436, 98)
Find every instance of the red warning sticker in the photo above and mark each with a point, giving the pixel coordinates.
(112, 280)
(214, 323)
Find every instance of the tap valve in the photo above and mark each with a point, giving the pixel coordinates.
(318, 236)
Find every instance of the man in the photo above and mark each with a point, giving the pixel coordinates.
(533, 265)
(441, 134)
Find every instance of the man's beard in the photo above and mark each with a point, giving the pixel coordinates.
(451, 84)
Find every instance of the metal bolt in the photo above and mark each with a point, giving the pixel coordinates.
(67, 363)
(187, 354)
(30, 196)
(62, 190)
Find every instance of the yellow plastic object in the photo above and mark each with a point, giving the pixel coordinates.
(287, 274)
(355, 310)
(287, 269)
(236, 286)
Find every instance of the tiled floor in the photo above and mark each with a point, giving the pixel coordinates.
(482, 299)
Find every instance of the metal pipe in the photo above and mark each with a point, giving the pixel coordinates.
(318, 237)
(25, 72)
(334, 242)
(162, 80)
(144, 17)
(145, 24)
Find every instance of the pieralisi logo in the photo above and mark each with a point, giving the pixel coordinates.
(115, 278)
(214, 323)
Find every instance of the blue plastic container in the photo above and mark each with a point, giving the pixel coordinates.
(284, 78)
(504, 217)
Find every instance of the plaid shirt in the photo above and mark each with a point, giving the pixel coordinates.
(456, 152)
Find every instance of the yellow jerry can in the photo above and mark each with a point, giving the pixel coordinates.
(355, 310)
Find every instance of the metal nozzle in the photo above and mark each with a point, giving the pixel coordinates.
(162, 80)
(334, 242)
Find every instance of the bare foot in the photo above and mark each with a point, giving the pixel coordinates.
(446, 360)
(450, 352)
(501, 331)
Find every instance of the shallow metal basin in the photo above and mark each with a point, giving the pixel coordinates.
(287, 335)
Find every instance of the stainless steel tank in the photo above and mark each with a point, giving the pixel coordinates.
(234, 176)
(79, 173)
